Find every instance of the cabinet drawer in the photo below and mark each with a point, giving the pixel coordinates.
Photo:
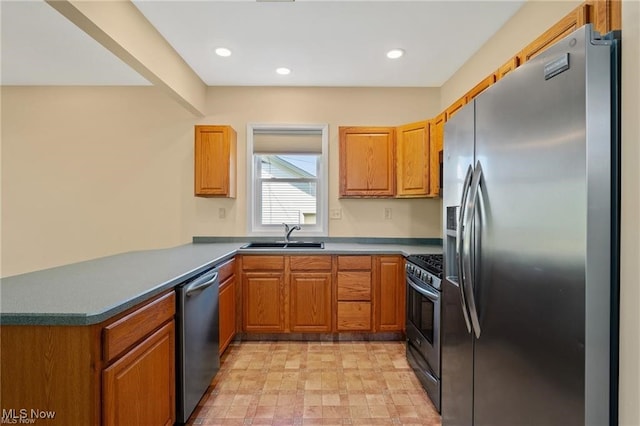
(354, 262)
(128, 330)
(354, 316)
(310, 263)
(354, 285)
(226, 270)
(262, 263)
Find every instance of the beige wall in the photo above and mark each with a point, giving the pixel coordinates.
(336, 106)
(530, 21)
(88, 171)
(630, 234)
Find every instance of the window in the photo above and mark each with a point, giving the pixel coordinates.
(288, 182)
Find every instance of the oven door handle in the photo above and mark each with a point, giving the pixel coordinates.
(459, 246)
(431, 295)
(467, 273)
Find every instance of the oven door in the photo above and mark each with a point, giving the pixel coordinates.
(423, 322)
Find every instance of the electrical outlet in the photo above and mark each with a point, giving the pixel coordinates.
(222, 213)
(335, 214)
(387, 213)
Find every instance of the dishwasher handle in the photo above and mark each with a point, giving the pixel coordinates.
(201, 283)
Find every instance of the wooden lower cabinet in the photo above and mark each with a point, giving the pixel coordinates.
(390, 293)
(322, 293)
(354, 316)
(354, 279)
(119, 372)
(227, 301)
(310, 306)
(51, 368)
(227, 309)
(139, 387)
(263, 301)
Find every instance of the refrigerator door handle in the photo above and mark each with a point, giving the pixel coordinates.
(459, 241)
(467, 278)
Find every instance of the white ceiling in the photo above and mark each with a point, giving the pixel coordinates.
(325, 43)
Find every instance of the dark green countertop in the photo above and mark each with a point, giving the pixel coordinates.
(92, 291)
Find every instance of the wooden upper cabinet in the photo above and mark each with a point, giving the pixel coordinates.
(215, 161)
(480, 87)
(506, 68)
(412, 154)
(367, 161)
(437, 145)
(453, 108)
(562, 28)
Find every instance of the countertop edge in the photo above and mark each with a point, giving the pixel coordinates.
(73, 319)
(81, 319)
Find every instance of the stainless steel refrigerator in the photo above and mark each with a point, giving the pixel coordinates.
(530, 242)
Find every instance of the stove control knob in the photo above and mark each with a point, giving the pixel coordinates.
(430, 280)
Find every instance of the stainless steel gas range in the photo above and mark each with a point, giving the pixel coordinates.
(423, 276)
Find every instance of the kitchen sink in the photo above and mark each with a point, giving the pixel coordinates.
(283, 245)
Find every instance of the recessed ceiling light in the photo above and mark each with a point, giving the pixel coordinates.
(283, 71)
(223, 51)
(395, 53)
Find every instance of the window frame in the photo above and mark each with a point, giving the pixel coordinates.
(321, 227)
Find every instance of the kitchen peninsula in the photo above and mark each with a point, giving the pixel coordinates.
(68, 331)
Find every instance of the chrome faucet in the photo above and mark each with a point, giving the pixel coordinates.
(288, 230)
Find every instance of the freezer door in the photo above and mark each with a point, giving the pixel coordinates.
(457, 343)
(531, 141)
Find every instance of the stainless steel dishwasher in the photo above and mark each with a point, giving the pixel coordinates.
(197, 343)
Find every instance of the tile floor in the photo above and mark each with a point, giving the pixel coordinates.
(315, 383)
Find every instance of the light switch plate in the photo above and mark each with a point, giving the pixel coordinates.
(335, 214)
(222, 213)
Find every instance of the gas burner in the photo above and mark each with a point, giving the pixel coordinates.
(430, 262)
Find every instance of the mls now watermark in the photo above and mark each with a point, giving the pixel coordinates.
(25, 416)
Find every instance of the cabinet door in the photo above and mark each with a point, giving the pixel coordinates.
(437, 144)
(139, 388)
(263, 301)
(412, 153)
(455, 107)
(367, 160)
(227, 306)
(310, 301)
(480, 87)
(390, 294)
(507, 67)
(562, 28)
(215, 161)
